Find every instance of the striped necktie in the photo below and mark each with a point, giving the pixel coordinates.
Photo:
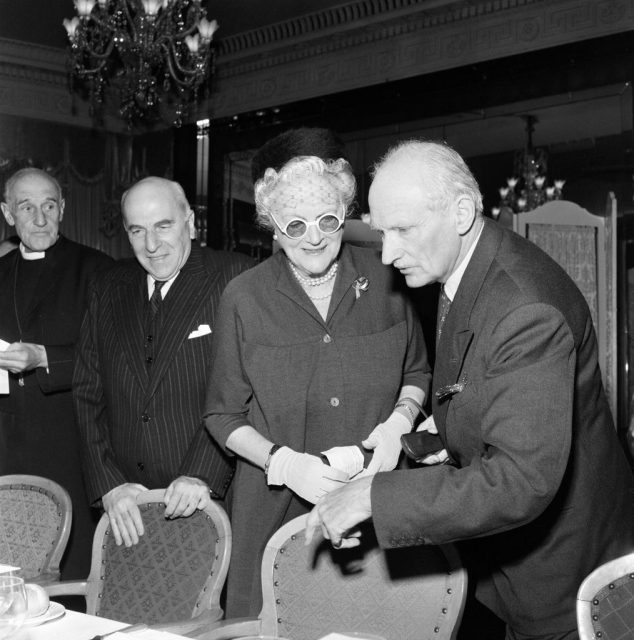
(156, 298)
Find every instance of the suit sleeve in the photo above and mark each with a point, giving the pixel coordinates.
(101, 472)
(229, 391)
(206, 458)
(58, 376)
(416, 369)
(521, 410)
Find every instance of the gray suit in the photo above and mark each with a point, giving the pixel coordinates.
(541, 489)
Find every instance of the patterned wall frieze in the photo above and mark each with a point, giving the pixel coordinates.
(40, 101)
(371, 41)
(34, 84)
(353, 45)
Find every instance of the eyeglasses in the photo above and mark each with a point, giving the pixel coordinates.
(298, 228)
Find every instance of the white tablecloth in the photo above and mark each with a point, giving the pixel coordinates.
(79, 626)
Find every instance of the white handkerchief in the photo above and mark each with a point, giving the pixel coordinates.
(4, 374)
(203, 330)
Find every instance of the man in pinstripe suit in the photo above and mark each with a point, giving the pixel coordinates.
(141, 373)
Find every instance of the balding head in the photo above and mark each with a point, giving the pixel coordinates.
(428, 207)
(34, 205)
(441, 169)
(160, 225)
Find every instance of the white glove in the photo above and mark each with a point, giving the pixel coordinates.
(304, 474)
(347, 459)
(428, 424)
(386, 442)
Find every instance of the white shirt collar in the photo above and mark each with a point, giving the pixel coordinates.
(31, 255)
(453, 282)
(164, 289)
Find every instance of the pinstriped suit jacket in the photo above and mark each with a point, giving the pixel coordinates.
(144, 425)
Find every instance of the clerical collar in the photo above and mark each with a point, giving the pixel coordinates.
(31, 255)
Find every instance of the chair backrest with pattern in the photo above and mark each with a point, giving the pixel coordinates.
(585, 245)
(35, 523)
(605, 601)
(175, 572)
(400, 594)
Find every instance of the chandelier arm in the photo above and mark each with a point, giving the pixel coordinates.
(161, 17)
(165, 40)
(100, 56)
(175, 68)
(130, 22)
(91, 72)
(172, 61)
(181, 35)
(101, 23)
(166, 14)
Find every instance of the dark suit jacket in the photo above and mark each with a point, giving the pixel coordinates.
(541, 488)
(38, 434)
(144, 425)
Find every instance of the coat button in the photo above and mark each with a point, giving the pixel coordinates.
(148, 338)
(140, 466)
(334, 402)
(149, 359)
(327, 339)
(145, 417)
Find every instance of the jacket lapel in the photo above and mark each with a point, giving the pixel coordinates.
(347, 274)
(128, 300)
(458, 333)
(346, 278)
(287, 285)
(187, 295)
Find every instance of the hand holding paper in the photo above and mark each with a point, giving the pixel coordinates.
(23, 356)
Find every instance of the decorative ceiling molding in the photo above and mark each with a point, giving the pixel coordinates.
(34, 84)
(375, 41)
(357, 44)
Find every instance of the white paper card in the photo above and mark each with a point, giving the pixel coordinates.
(4, 374)
(5, 568)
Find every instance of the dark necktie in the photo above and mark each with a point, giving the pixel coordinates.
(152, 321)
(443, 309)
(156, 297)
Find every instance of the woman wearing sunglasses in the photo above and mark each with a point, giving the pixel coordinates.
(319, 364)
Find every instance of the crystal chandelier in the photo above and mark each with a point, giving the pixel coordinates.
(528, 189)
(156, 54)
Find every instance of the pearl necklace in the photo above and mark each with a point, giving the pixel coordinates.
(319, 297)
(314, 282)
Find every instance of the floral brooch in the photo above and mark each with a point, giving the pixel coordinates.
(361, 284)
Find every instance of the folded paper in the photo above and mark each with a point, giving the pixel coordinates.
(4, 374)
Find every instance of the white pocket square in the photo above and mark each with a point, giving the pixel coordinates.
(203, 330)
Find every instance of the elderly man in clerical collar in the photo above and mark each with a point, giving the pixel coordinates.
(43, 295)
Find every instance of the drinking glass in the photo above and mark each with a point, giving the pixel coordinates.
(12, 605)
